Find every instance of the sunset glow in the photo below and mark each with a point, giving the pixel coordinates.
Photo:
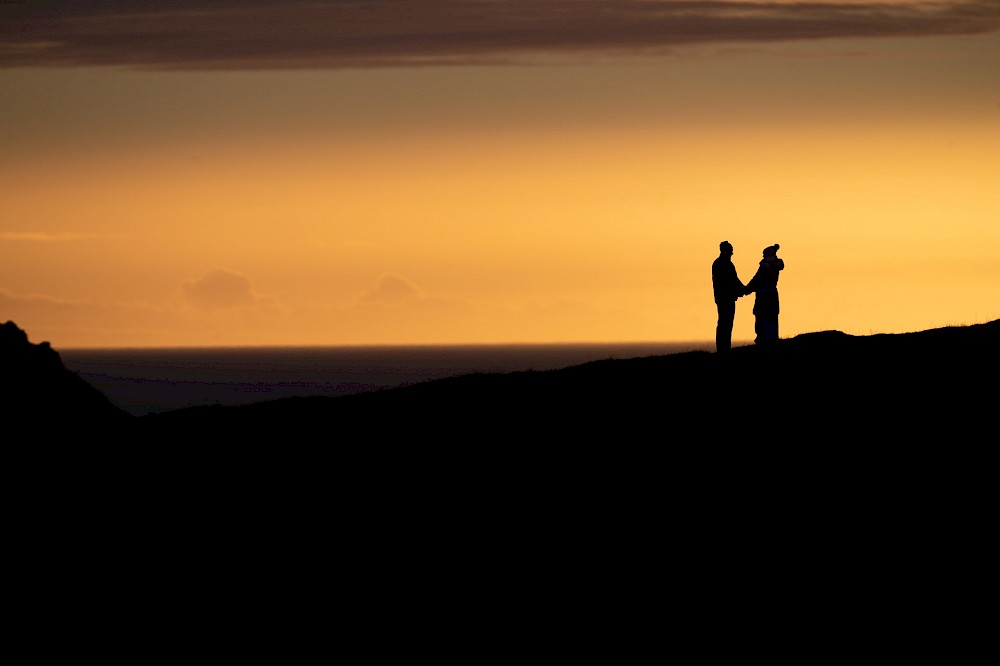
(542, 190)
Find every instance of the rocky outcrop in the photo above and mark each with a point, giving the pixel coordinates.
(40, 397)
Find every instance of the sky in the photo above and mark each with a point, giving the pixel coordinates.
(241, 173)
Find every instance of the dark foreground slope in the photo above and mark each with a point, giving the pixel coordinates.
(827, 467)
(848, 479)
(816, 387)
(825, 387)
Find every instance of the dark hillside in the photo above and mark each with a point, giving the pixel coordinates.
(828, 445)
(827, 441)
(831, 473)
(825, 387)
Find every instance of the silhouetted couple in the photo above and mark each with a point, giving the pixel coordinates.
(729, 288)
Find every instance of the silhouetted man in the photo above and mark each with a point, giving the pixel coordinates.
(727, 287)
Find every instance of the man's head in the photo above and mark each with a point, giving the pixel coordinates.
(771, 250)
(725, 248)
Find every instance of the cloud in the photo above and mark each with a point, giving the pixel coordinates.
(391, 290)
(247, 34)
(12, 302)
(397, 296)
(84, 323)
(399, 312)
(49, 318)
(220, 288)
(393, 312)
(43, 237)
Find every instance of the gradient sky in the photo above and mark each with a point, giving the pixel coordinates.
(216, 172)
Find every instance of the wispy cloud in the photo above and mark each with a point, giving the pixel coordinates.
(250, 34)
(45, 237)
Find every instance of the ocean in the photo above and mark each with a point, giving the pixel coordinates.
(143, 381)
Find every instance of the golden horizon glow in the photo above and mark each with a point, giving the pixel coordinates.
(507, 204)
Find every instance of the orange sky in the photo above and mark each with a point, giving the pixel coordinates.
(535, 193)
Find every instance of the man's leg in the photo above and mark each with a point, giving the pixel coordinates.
(724, 327)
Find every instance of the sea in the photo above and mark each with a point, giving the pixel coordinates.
(149, 380)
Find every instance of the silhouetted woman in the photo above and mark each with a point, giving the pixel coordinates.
(765, 306)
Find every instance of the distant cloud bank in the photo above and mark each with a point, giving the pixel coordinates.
(250, 34)
(44, 237)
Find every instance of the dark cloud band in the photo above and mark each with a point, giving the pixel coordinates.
(238, 34)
